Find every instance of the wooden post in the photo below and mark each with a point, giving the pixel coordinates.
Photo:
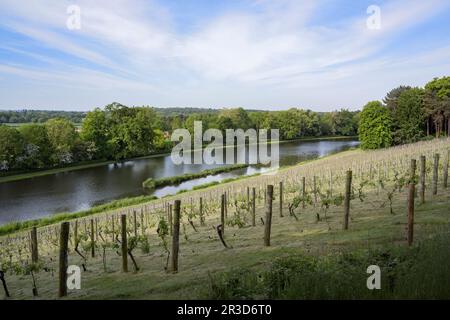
(445, 171)
(34, 246)
(63, 258)
(202, 218)
(92, 239)
(412, 171)
(435, 173)
(124, 244)
(268, 222)
(348, 190)
(422, 178)
(281, 199)
(222, 213)
(411, 213)
(253, 207)
(176, 237)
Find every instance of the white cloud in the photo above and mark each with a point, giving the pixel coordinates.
(275, 45)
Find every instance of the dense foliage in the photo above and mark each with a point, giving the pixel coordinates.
(407, 115)
(118, 132)
(375, 126)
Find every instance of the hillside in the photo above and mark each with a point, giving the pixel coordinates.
(307, 239)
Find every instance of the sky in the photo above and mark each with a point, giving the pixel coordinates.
(257, 54)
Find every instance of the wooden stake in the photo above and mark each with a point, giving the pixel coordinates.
(222, 213)
(348, 190)
(34, 246)
(202, 218)
(281, 199)
(124, 244)
(412, 171)
(92, 239)
(411, 213)
(253, 207)
(63, 258)
(176, 237)
(268, 222)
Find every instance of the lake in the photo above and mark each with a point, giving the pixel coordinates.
(80, 190)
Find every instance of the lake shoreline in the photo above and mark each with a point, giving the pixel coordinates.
(98, 163)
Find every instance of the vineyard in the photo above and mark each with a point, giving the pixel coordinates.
(171, 247)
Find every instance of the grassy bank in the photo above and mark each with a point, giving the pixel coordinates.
(156, 183)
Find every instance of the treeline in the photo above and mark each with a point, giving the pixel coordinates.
(407, 114)
(39, 116)
(293, 123)
(118, 132)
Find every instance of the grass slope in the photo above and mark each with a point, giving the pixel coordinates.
(205, 264)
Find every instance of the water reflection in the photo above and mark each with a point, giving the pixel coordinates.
(80, 190)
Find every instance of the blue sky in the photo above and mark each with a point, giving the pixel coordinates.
(209, 53)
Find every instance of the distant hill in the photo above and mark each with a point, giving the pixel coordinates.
(39, 116)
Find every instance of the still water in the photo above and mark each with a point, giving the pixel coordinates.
(80, 190)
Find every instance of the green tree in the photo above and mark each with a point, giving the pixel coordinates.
(131, 130)
(38, 148)
(11, 148)
(375, 126)
(344, 123)
(437, 104)
(62, 136)
(391, 99)
(409, 117)
(95, 132)
(236, 118)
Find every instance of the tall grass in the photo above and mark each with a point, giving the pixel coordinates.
(421, 272)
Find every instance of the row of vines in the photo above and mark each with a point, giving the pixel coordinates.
(377, 178)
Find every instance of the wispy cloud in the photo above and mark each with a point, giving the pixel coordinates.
(135, 45)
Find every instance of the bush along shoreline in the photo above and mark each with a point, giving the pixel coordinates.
(151, 183)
